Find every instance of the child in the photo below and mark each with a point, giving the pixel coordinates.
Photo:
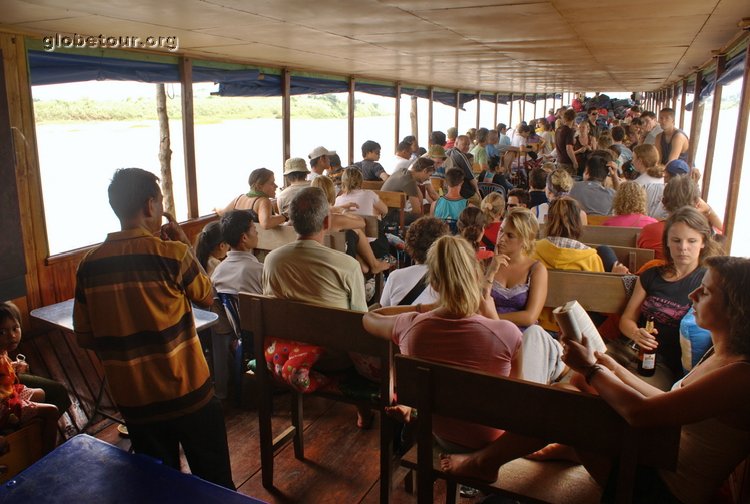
(210, 248)
(450, 206)
(369, 166)
(18, 403)
(471, 226)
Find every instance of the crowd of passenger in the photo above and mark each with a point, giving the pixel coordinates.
(487, 214)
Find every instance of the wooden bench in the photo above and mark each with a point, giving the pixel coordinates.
(632, 257)
(606, 235)
(372, 185)
(597, 220)
(270, 239)
(597, 292)
(397, 200)
(25, 449)
(549, 413)
(335, 329)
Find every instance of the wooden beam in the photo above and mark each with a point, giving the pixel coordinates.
(682, 102)
(545, 106)
(674, 97)
(397, 128)
(458, 106)
(430, 97)
(523, 107)
(535, 111)
(494, 116)
(730, 214)
(350, 129)
(721, 61)
(697, 118)
(510, 112)
(286, 114)
(479, 104)
(188, 136)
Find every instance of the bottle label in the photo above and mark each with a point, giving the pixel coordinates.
(649, 361)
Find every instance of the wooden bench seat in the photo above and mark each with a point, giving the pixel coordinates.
(606, 235)
(549, 413)
(270, 239)
(597, 292)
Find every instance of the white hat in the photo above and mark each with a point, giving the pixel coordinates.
(320, 151)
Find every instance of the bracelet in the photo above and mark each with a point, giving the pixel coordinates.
(590, 372)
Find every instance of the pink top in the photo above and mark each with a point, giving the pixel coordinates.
(475, 342)
(630, 220)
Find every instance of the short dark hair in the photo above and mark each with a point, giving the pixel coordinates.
(482, 134)
(130, 190)
(403, 146)
(370, 146)
(437, 138)
(454, 177)
(422, 164)
(521, 194)
(501, 126)
(597, 168)
(592, 109)
(9, 311)
(422, 234)
(618, 133)
(234, 223)
(334, 160)
(295, 176)
(538, 178)
(569, 115)
(308, 210)
(648, 114)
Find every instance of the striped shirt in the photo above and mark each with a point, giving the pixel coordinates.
(132, 306)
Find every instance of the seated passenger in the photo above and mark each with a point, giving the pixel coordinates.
(20, 404)
(661, 294)
(407, 181)
(710, 403)
(210, 247)
(518, 198)
(470, 226)
(239, 272)
(262, 188)
(492, 175)
(450, 206)
(409, 286)
(519, 289)
(591, 193)
(493, 208)
(295, 179)
(320, 162)
(461, 330)
(629, 206)
(538, 185)
(651, 177)
(558, 183)
(369, 166)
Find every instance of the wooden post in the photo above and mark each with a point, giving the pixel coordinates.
(510, 112)
(523, 107)
(545, 106)
(458, 106)
(414, 119)
(697, 120)
(535, 100)
(286, 115)
(430, 96)
(494, 116)
(350, 129)
(730, 214)
(165, 150)
(479, 104)
(721, 61)
(188, 136)
(397, 129)
(682, 102)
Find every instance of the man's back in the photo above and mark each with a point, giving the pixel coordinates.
(309, 272)
(593, 197)
(401, 181)
(132, 304)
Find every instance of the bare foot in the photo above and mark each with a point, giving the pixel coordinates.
(555, 451)
(467, 466)
(379, 267)
(364, 417)
(399, 412)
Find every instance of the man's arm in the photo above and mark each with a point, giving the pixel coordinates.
(383, 176)
(416, 204)
(679, 144)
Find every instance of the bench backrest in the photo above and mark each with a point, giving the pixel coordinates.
(632, 257)
(270, 239)
(550, 413)
(397, 200)
(372, 185)
(606, 235)
(598, 292)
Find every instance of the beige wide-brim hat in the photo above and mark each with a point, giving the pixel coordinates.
(295, 164)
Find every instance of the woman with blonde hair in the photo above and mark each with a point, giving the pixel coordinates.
(629, 206)
(367, 202)
(559, 183)
(263, 187)
(493, 208)
(519, 289)
(343, 220)
(461, 329)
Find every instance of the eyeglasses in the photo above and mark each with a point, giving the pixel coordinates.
(9, 331)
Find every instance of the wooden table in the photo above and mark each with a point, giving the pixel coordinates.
(85, 469)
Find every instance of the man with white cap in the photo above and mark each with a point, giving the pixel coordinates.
(319, 161)
(295, 172)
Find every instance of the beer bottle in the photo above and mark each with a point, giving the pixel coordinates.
(647, 358)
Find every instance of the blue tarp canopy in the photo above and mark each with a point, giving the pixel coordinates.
(733, 70)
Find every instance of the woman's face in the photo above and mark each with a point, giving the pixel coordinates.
(269, 187)
(10, 334)
(685, 244)
(709, 303)
(508, 240)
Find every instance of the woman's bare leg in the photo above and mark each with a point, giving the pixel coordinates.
(364, 251)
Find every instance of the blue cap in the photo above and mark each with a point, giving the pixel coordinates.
(678, 167)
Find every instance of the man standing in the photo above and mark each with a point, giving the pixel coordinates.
(565, 143)
(132, 306)
(672, 142)
(650, 127)
(319, 161)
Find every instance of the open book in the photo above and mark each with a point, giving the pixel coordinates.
(574, 321)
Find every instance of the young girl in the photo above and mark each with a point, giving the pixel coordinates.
(18, 403)
(493, 207)
(210, 248)
(471, 224)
